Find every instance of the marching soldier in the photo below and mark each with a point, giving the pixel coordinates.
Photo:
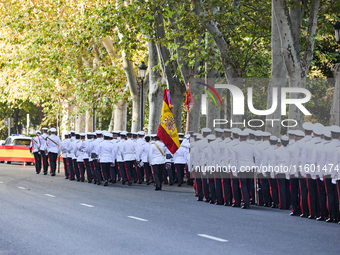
(120, 156)
(94, 155)
(87, 157)
(140, 166)
(144, 156)
(53, 143)
(63, 148)
(43, 149)
(129, 153)
(81, 153)
(106, 155)
(225, 158)
(35, 144)
(235, 180)
(70, 154)
(157, 161)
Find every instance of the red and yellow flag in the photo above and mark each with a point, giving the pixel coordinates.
(167, 130)
(189, 100)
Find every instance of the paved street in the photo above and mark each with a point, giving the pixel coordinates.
(50, 215)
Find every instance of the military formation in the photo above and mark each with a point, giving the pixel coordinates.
(299, 171)
(102, 157)
(230, 167)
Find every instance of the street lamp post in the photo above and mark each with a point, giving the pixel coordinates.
(141, 73)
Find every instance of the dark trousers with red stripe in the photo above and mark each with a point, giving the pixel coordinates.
(172, 173)
(140, 171)
(219, 189)
(88, 170)
(202, 186)
(76, 169)
(274, 191)
(98, 172)
(332, 195)
(227, 192)
(304, 195)
(295, 194)
(44, 161)
(106, 171)
(37, 161)
(129, 170)
(53, 161)
(236, 191)
(113, 172)
(70, 166)
(148, 172)
(313, 202)
(283, 191)
(247, 184)
(322, 198)
(180, 171)
(134, 171)
(67, 173)
(122, 171)
(81, 166)
(158, 172)
(265, 188)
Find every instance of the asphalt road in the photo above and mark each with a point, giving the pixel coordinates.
(50, 215)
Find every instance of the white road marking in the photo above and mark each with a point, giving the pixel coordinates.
(213, 238)
(49, 195)
(86, 205)
(21, 188)
(136, 218)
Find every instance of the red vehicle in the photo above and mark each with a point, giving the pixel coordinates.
(16, 149)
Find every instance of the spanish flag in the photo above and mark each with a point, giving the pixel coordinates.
(167, 130)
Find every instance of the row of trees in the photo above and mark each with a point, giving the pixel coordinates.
(69, 58)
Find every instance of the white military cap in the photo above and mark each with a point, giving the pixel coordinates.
(199, 137)
(299, 133)
(107, 134)
(318, 129)
(53, 130)
(115, 132)
(284, 138)
(327, 132)
(133, 133)
(307, 126)
(235, 130)
(123, 133)
(335, 129)
(291, 132)
(211, 137)
(77, 133)
(249, 130)
(206, 130)
(273, 138)
(82, 134)
(195, 134)
(180, 134)
(72, 132)
(37, 132)
(181, 139)
(141, 133)
(258, 133)
(219, 130)
(89, 133)
(99, 132)
(226, 130)
(243, 133)
(266, 134)
(44, 128)
(187, 136)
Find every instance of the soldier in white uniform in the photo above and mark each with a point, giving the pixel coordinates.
(263, 176)
(120, 156)
(294, 173)
(63, 148)
(129, 153)
(235, 179)
(106, 155)
(94, 155)
(140, 167)
(75, 145)
(89, 147)
(81, 152)
(157, 161)
(179, 162)
(43, 149)
(282, 162)
(53, 144)
(70, 154)
(144, 156)
(225, 157)
(206, 161)
(243, 157)
(329, 159)
(114, 167)
(35, 144)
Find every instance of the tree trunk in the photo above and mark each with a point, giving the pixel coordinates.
(88, 122)
(112, 121)
(120, 115)
(155, 90)
(196, 110)
(278, 79)
(335, 110)
(79, 123)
